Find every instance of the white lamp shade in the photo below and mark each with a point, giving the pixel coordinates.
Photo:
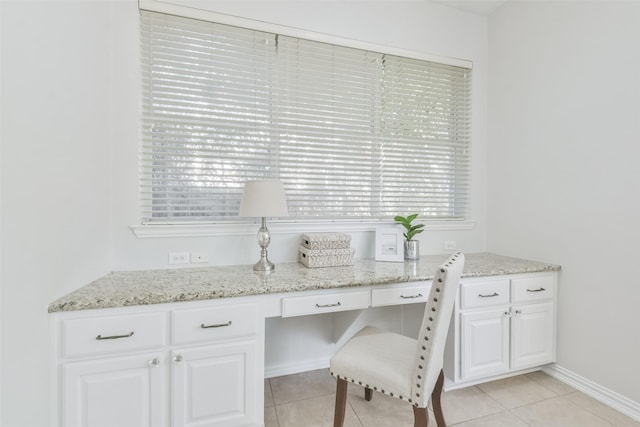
(264, 198)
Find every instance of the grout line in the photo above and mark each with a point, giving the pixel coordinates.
(275, 407)
(354, 412)
(594, 413)
(504, 408)
(516, 415)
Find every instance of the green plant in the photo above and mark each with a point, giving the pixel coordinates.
(412, 230)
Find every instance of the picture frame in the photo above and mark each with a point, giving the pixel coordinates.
(389, 244)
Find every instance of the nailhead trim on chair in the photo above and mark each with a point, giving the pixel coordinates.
(428, 328)
(422, 356)
(399, 396)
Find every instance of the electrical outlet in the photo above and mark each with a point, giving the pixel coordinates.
(450, 245)
(176, 258)
(199, 257)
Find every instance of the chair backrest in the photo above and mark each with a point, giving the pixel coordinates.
(434, 329)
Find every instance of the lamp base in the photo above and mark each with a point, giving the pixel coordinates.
(264, 265)
(264, 237)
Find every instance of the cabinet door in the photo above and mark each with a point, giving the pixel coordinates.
(532, 335)
(485, 343)
(123, 392)
(217, 386)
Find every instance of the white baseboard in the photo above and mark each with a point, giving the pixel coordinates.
(271, 371)
(608, 397)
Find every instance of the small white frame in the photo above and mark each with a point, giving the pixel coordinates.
(389, 244)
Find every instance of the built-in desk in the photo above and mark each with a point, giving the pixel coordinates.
(189, 346)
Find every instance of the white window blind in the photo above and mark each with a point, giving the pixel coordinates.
(351, 133)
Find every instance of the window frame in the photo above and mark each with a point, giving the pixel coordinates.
(242, 226)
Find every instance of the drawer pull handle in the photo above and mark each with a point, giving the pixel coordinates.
(411, 296)
(219, 325)
(114, 337)
(328, 305)
(536, 290)
(495, 294)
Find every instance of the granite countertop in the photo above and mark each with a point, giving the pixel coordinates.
(127, 288)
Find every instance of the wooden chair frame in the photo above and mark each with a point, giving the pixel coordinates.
(420, 415)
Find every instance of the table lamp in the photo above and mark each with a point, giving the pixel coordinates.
(263, 198)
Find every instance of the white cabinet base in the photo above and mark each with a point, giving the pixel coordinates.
(485, 343)
(213, 386)
(120, 391)
(501, 327)
(533, 341)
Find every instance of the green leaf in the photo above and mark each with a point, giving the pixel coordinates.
(412, 230)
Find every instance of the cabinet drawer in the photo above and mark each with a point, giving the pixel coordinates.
(326, 303)
(213, 323)
(399, 295)
(484, 294)
(110, 334)
(532, 289)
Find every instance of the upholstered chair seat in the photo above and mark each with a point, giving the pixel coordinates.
(389, 366)
(405, 368)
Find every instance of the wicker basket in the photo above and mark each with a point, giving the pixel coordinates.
(313, 258)
(326, 241)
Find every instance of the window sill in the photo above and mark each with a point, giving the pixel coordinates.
(279, 227)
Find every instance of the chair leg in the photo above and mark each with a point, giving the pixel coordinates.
(435, 400)
(341, 403)
(368, 394)
(420, 417)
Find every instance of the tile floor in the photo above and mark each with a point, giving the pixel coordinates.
(535, 400)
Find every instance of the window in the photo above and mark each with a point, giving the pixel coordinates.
(352, 133)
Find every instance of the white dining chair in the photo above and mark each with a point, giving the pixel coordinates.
(398, 366)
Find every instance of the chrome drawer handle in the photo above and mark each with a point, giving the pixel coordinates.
(536, 290)
(410, 296)
(219, 325)
(328, 305)
(495, 294)
(114, 337)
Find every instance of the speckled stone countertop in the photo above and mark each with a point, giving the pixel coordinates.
(127, 288)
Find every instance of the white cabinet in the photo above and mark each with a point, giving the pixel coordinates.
(217, 380)
(500, 327)
(532, 335)
(118, 391)
(202, 363)
(397, 295)
(325, 303)
(485, 343)
(213, 386)
(190, 364)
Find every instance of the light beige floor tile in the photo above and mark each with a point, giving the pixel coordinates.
(268, 397)
(381, 411)
(558, 412)
(315, 412)
(501, 419)
(270, 418)
(601, 410)
(516, 391)
(466, 404)
(558, 387)
(305, 385)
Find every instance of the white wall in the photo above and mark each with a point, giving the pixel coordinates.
(563, 175)
(55, 181)
(417, 26)
(69, 166)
